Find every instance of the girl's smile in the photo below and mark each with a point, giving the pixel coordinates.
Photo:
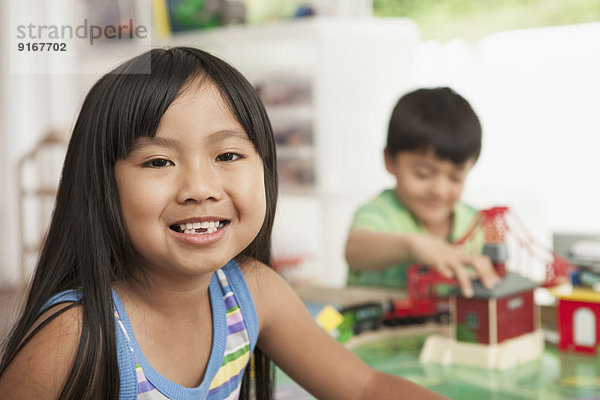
(200, 231)
(200, 226)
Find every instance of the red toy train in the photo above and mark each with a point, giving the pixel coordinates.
(424, 301)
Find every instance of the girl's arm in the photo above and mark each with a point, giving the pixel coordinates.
(40, 369)
(291, 338)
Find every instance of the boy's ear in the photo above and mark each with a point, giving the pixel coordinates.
(388, 160)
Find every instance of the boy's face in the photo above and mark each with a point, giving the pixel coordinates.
(428, 186)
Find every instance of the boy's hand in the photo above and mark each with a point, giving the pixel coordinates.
(452, 262)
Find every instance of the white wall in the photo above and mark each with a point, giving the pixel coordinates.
(536, 92)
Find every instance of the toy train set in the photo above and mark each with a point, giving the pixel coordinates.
(428, 292)
(499, 327)
(424, 302)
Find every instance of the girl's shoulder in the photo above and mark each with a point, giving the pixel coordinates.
(256, 274)
(269, 291)
(40, 369)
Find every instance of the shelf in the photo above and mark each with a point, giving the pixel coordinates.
(303, 152)
(290, 112)
(45, 192)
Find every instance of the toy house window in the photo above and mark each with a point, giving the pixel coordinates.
(584, 327)
(515, 303)
(472, 321)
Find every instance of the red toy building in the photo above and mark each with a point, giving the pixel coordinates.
(579, 320)
(506, 311)
(492, 316)
(498, 328)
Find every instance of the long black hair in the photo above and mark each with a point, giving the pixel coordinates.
(123, 105)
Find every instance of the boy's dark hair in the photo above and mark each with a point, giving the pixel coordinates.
(87, 248)
(438, 119)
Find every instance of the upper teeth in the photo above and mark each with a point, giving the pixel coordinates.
(190, 227)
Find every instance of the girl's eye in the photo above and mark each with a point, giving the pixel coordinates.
(228, 157)
(158, 163)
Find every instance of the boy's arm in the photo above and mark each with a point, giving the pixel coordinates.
(367, 250)
(291, 338)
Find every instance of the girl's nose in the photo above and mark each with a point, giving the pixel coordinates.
(199, 184)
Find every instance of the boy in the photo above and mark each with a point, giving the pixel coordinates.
(434, 139)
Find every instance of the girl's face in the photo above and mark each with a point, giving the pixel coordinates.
(192, 197)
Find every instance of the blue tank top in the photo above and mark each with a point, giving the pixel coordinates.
(235, 332)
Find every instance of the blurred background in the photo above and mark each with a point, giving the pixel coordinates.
(329, 73)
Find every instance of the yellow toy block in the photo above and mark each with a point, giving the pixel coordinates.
(329, 318)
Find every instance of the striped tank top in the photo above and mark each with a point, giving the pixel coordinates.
(235, 332)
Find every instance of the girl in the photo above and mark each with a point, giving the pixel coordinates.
(152, 282)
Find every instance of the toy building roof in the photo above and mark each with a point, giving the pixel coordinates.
(584, 295)
(512, 283)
